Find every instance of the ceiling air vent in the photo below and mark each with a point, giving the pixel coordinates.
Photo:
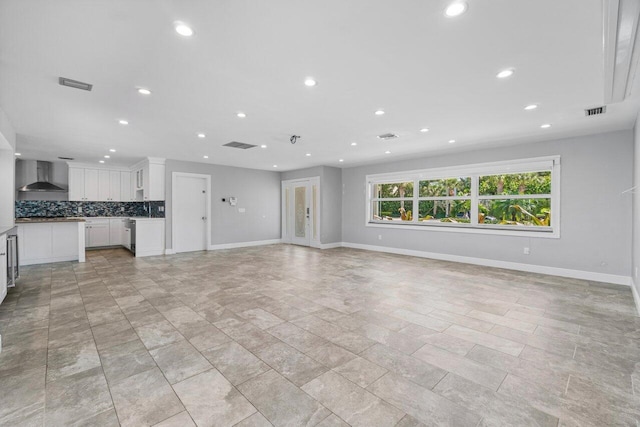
(74, 84)
(240, 145)
(387, 136)
(595, 111)
(66, 158)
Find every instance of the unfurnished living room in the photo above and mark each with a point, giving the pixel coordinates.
(319, 213)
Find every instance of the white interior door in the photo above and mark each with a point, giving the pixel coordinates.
(301, 212)
(190, 212)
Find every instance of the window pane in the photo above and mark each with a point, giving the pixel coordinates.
(516, 183)
(445, 210)
(447, 187)
(393, 211)
(532, 212)
(393, 190)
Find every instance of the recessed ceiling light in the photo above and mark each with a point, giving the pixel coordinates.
(112, 150)
(531, 107)
(505, 73)
(308, 154)
(123, 122)
(107, 157)
(275, 166)
(100, 161)
(205, 157)
(353, 144)
(456, 9)
(546, 126)
(341, 160)
(424, 130)
(387, 152)
(18, 154)
(183, 29)
(451, 141)
(241, 115)
(379, 112)
(263, 146)
(310, 82)
(201, 135)
(144, 91)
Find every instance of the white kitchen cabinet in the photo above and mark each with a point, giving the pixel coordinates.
(44, 242)
(125, 187)
(3, 266)
(149, 176)
(116, 231)
(149, 236)
(104, 185)
(114, 187)
(126, 239)
(97, 233)
(91, 184)
(76, 184)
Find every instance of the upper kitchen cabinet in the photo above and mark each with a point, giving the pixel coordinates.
(148, 179)
(96, 184)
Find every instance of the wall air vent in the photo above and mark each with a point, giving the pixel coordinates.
(240, 145)
(66, 158)
(387, 136)
(74, 84)
(595, 111)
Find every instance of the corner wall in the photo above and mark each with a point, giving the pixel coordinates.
(635, 196)
(7, 170)
(257, 191)
(595, 217)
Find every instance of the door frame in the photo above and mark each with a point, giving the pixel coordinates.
(314, 180)
(174, 177)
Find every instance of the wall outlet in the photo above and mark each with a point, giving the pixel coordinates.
(122, 209)
(636, 273)
(160, 208)
(79, 209)
(379, 236)
(242, 210)
(526, 251)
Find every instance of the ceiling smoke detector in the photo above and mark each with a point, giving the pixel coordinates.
(595, 111)
(75, 84)
(386, 136)
(240, 145)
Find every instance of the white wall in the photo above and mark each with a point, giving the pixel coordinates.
(257, 191)
(595, 218)
(635, 196)
(7, 170)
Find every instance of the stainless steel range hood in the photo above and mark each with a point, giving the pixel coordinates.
(40, 173)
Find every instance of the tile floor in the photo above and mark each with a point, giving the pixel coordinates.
(291, 336)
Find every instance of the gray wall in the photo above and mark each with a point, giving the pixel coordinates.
(257, 191)
(595, 218)
(330, 199)
(7, 168)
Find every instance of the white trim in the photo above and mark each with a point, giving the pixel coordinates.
(244, 244)
(175, 175)
(636, 297)
(531, 268)
(169, 251)
(464, 228)
(331, 245)
(310, 182)
(154, 252)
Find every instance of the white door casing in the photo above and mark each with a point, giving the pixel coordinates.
(190, 212)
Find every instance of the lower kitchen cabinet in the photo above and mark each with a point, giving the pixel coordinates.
(116, 231)
(97, 233)
(3, 266)
(45, 242)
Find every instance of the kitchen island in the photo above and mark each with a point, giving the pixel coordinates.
(46, 240)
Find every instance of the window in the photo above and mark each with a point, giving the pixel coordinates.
(514, 197)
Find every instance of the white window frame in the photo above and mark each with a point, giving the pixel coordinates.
(550, 163)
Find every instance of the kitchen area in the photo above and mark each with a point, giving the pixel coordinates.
(63, 209)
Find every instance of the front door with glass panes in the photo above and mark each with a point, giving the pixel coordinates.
(300, 199)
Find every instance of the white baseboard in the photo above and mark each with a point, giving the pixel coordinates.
(531, 268)
(169, 251)
(636, 297)
(140, 254)
(331, 245)
(244, 244)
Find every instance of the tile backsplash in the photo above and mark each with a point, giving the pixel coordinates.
(44, 208)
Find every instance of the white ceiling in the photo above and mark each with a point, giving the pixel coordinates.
(422, 68)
